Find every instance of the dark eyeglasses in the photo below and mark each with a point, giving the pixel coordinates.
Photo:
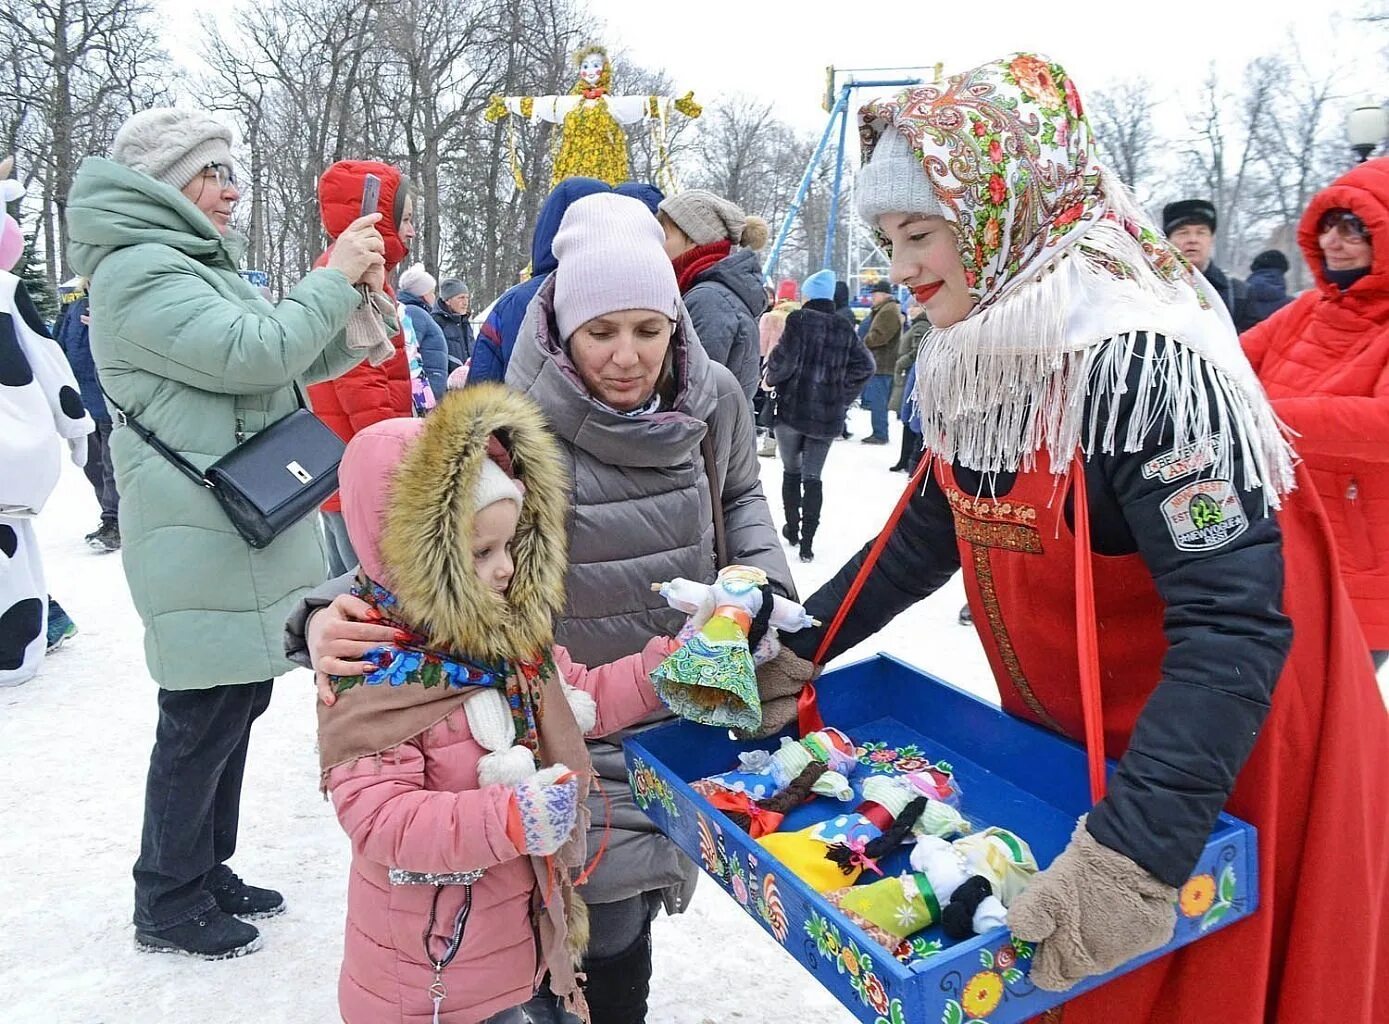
(225, 176)
(1345, 223)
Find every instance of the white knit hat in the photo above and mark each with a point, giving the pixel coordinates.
(172, 146)
(611, 257)
(416, 280)
(493, 485)
(894, 181)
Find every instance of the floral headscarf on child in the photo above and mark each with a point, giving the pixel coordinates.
(1066, 272)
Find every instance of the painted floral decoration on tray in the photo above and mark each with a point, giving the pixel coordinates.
(878, 757)
(1209, 898)
(649, 788)
(849, 960)
(1000, 969)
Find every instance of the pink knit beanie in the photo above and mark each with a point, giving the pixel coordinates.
(611, 258)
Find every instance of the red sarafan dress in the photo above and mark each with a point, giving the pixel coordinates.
(1315, 785)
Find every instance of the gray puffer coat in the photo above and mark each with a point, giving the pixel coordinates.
(642, 514)
(724, 303)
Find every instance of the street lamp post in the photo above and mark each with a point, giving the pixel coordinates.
(1365, 129)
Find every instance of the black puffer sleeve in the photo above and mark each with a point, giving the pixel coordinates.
(1215, 553)
(919, 558)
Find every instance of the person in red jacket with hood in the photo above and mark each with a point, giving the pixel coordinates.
(1324, 360)
(366, 394)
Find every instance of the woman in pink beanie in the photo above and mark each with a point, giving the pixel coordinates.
(659, 443)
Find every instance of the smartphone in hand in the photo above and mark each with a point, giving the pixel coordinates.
(371, 195)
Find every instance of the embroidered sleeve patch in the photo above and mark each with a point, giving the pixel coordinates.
(1184, 460)
(1204, 515)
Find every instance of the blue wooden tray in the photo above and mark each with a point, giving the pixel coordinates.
(1011, 773)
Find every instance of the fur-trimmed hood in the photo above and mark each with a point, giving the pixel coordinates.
(413, 481)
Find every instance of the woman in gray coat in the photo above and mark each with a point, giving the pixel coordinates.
(655, 431)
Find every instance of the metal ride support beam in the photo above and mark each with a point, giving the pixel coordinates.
(840, 106)
(840, 111)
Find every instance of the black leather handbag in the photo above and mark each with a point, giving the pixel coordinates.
(266, 484)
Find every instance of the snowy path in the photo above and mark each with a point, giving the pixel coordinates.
(74, 747)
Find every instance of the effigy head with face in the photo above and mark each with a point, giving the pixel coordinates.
(593, 62)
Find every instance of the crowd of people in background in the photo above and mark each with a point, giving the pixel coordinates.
(648, 342)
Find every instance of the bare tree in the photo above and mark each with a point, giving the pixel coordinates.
(76, 69)
(1122, 119)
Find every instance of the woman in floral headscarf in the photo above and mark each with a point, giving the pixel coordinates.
(1077, 362)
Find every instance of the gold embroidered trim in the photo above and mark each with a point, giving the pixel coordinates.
(1007, 536)
(1002, 511)
(988, 595)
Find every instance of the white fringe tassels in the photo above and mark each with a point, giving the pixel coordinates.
(1018, 378)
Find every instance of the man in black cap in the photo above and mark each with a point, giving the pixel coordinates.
(1267, 289)
(1190, 224)
(452, 314)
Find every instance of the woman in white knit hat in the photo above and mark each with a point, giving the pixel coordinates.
(1077, 362)
(713, 246)
(193, 351)
(416, 294)
(656, 435)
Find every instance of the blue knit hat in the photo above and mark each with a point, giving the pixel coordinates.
(818, 286)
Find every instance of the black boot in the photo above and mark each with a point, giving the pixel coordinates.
(909, 439)
(791, 505)
(235, 897)
(810, 517)
(617, 986)
(213, 936)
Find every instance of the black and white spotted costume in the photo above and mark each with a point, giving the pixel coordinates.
(39, 404)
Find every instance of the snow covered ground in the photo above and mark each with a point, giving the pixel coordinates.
(74, 748)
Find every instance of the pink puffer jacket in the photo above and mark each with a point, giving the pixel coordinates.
(420, 808)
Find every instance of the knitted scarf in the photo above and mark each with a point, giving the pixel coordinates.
(416, 686)
(693, 262)
(1067, 273)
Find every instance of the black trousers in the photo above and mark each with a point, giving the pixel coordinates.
(100, 473)
(193, 798)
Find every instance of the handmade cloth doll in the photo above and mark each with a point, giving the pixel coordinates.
(712, 677)
(936, 781)
(834, 853)
(959, 885)
(39, 403)
(767, 786)
(761, 775)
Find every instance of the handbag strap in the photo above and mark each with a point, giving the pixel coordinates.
(174, 458)
(706, 449)
(150, 438)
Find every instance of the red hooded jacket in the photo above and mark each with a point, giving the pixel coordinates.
(1324, 361)
(365, 394)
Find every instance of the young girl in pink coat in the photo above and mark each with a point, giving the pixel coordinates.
(458, 768)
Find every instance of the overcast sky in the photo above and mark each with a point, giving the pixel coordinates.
(778, 50)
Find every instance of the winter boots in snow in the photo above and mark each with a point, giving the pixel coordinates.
(215, 935)
(811, 501)
(791, 505)
(105, 539)
(617, 986)
(235, 897)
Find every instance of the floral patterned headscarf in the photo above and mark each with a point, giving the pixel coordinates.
(1066, 273)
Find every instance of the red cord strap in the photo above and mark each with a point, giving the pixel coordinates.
(807, 710)
(1087, 635)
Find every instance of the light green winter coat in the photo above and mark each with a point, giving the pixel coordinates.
(194, 352)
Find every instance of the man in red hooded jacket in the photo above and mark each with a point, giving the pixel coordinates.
(365, 394)
(1324, 360)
